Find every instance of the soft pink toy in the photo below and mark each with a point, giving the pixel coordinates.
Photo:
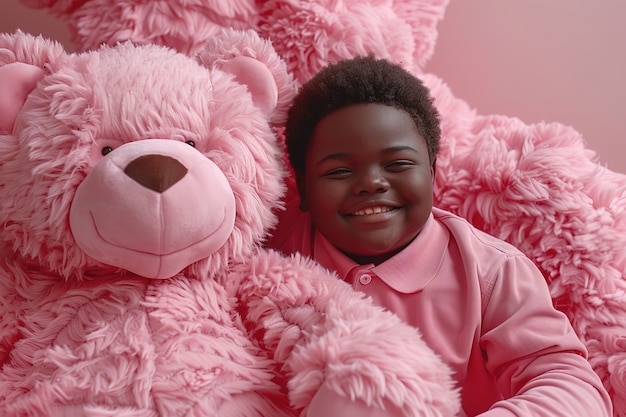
(136, 186)
(536, 186)
(163, 22)
(307, 34)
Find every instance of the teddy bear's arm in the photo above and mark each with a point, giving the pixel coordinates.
(334, 343)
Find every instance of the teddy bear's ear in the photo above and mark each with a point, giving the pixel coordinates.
(254, 63)
(258, 78)
(17, 80)
(24, 60)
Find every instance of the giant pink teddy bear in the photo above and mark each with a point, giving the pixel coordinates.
(136, 186)
(535, 185)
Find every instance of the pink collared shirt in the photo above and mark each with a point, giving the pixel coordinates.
(481, 305)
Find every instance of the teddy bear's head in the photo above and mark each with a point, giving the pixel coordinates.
(139, 158)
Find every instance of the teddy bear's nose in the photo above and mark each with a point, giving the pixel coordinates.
(156, 172)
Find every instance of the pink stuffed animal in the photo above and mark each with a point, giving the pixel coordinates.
(136, 185)
(306, 34)
(536, 186)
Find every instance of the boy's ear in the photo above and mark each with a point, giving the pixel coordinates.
(433, 169)
(304, 204)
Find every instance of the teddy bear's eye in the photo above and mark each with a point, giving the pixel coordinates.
(106, 150)
(191, 143)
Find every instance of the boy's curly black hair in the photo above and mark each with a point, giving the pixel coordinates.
(355, 81)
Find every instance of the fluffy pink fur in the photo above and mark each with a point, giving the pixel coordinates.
(315, 33)
(537, 186)
(307, 34)
(163, 22)
(240, 332)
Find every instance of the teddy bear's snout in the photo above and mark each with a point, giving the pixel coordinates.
(156, 172)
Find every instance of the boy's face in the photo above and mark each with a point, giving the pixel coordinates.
(368, 181)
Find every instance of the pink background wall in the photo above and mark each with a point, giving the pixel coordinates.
(552, 60)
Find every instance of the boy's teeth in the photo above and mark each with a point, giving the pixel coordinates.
(372, 210)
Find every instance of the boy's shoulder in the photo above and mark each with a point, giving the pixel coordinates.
(466, 234)
(483, 254)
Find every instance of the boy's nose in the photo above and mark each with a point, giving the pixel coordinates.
(372, 181)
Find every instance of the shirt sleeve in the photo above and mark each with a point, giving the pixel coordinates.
(539, 362)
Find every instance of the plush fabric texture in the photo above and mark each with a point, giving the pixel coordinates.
(306, 34)
(136, 187)
(314, 33)
(537, 186)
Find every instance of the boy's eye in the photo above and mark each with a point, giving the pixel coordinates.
(336, 173)
(400, 165)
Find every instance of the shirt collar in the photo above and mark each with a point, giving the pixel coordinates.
(407, 272)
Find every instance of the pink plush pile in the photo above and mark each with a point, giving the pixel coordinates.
(535, 185)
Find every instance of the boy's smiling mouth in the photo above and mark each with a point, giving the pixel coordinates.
(372, 210)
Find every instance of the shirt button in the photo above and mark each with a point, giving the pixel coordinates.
(365, 279)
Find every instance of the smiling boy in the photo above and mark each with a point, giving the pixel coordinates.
(362, 137)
